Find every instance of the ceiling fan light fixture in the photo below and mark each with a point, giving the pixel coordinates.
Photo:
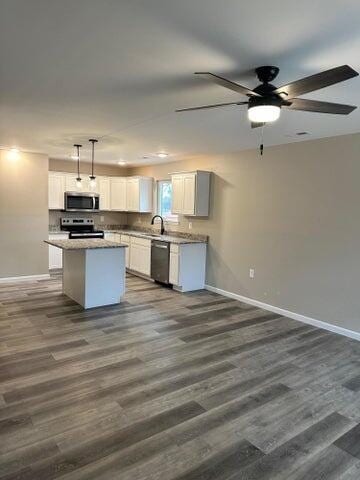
(264, 113)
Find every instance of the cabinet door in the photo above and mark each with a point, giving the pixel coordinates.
(56, 191)
(145, 260)
(134, 257)
(174, 268)
(55, 257)
(177, 182)
(126, 239)
(103, 188)
(55, 254)
(133, 195)
(118, 193)
(189, 194)
(70, 183)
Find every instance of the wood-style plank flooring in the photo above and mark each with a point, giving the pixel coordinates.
(171, 386)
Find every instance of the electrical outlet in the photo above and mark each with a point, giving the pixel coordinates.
(252, 272)
(190, 225)
(101, 218)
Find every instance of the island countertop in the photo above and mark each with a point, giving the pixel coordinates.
(85, 244)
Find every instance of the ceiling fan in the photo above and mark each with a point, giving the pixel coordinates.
(265, 101)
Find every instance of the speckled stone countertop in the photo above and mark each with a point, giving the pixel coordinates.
(84, 244)
(164, 238)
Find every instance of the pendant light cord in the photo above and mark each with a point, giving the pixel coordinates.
(93, 141)
(77, 146)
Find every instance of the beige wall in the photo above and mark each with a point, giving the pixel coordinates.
(70, 166)
(23, 214)
(294, 216)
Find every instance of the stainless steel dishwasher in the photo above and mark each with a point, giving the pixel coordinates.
(160, 258)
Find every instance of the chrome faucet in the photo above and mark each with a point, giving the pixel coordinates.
(162, 230)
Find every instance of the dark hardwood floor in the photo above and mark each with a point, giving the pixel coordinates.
(171, 386)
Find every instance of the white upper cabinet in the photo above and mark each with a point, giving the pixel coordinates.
(56, 190)
(132, 195)
(189, 180)
(191, 193)
(70, 183)
(139, 192)
(122, 194)
(103, 189)
(177, 193)
(118, 193)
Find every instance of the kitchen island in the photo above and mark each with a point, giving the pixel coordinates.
(93, 270)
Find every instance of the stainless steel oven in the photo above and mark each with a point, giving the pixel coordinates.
(82, 202)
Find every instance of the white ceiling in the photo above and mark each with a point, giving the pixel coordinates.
(117, 69)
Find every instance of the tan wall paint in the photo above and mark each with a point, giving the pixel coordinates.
(294, 216)
(70, 166)
(23, 214)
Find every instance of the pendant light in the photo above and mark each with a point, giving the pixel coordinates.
(92, 176)
(78, 179)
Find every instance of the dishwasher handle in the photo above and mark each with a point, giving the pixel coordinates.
(156, 245)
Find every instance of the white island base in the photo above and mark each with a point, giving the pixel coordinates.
(94, 277)
(93, 271)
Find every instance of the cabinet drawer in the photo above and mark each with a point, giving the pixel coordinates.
(144, 242)
(174, 248)
(58, 236)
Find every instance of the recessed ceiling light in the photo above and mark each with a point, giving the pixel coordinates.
(14, 153)
(162, 155)
(121, 162)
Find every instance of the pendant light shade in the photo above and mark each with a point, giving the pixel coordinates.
(92, 176)
(78, 178)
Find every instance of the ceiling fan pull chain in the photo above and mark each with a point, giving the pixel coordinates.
(262, 141)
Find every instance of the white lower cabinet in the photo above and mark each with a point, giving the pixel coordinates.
(187, 266)
(55, 254)
(187, 260)
(140, 255)
(126, 239)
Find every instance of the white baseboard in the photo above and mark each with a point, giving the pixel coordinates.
(24, 278)
(287, 313)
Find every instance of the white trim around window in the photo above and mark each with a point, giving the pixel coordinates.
(167, 216)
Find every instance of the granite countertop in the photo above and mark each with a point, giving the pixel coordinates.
(164, 238)
(84, 244)
(148, 235)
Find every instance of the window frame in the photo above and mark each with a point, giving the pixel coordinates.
(172, 218)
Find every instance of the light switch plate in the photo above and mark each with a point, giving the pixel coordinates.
(252, 272)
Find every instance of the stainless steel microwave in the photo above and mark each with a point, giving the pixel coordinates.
(82, 202)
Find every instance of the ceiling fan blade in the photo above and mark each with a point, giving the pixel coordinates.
(257, 125)
(223, 82)
(317, 81)
(320, 107)
(217, 105)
